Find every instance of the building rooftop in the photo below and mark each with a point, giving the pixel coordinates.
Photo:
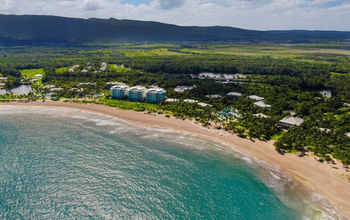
(203, 104)
(210, 76)
(56, 89)
(261, 115)
(73, 68)
(292, 121)
(138, 88)
(172, 100)
(257, 98)
(327, 130)
(234, 94)
(215, 96)
(87, 84)
(183, 88)
(156, 90)
(49, 86)
(119, 86)
(190, 101)
(103, 66)
(326, 93)
(262, 104)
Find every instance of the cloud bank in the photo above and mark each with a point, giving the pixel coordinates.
(249, 14)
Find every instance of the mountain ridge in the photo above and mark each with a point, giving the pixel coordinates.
(36, 29)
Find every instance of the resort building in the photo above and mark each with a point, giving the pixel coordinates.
(183, 88)
(326, 93)
(87, 84)
(190, 101)
(119, 91)
(261, 115)
(103, 66)
(210, 76)
(202, 104)
(262, 104)
(72, 69)
(327, 130)
(3, 79)
(155, 95)
(288, 122)
(237, 94)
(49, 87)
(109, 85)
(172, 100)
(218, 76)
(136, 93)
(257, 98)
(56, 89)
(216, 96)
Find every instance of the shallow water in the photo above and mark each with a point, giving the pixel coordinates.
(72, 164)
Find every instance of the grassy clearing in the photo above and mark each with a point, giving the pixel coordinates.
(127, 105)
(165, 52)
(151, 46)
(114, 67)
(146, 53)
(30, 73)
(340, 74)
(268, 50)
(277, 136)
(62, 70)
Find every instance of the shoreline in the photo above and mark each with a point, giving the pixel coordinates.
(329, 181)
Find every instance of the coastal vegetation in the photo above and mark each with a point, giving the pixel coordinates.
(290, 78)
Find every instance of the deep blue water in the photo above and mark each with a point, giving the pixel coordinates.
(63, 166)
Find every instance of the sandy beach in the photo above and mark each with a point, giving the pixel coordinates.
(330, 181)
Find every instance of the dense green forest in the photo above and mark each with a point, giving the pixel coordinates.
(289, 78)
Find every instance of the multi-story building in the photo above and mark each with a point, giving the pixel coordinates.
(155, 95)
(119, 91)
(136, 93)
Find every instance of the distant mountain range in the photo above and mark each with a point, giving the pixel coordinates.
(35, 29)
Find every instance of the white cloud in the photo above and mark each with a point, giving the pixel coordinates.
(251, 14)
(92, 5)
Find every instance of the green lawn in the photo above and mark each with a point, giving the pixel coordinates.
(136, 106)
(30, 73)
(340, 74)
(122, 104)
(277, 136)
(117, 69)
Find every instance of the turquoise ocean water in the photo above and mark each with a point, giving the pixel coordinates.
(76, 165)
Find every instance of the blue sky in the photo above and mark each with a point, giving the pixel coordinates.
(249, 14)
